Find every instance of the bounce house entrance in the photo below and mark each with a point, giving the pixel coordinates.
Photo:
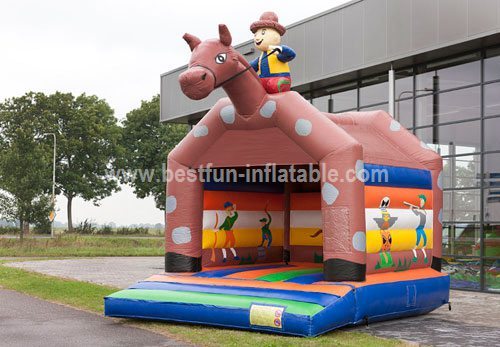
(261, 223)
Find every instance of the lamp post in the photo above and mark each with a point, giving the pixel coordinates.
(409, 92)
(53, 182)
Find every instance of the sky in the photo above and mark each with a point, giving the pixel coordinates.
(117, 51)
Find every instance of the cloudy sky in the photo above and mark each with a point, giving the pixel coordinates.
(117, 50)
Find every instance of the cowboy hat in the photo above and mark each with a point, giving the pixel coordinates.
(268, 20)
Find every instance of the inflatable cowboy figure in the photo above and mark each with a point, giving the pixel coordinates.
(272, 64)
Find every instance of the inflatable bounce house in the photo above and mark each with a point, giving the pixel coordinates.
(357, 243)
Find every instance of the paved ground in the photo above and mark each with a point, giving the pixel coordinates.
(118, 272)
(27, 321)
(473, 321)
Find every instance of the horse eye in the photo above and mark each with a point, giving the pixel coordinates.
(220, 58)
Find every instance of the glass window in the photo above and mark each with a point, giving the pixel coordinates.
(492, 65)
(492, 204)
(460, 75)
(462, 205)
(321, 103)
(374, 92)
(404, 84)
(464, 272)
(460, 138)
(492, 240)
(462, 172)
(492, 187)
(450, 77)
(424, 81)
(492, 274)
(383, 107)
(461, 239)
(404, 112)
(492, 99)
(492, 134)
(345, 100)
(452, 106)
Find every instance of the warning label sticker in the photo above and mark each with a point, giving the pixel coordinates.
(266, 316)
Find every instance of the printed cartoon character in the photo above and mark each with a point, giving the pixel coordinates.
(227, 227)
(266, 232)
(422, 214)
(272, 64)
(384, 224)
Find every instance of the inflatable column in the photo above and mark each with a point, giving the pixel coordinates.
(437, 207)
(184, 208)
(343, 212)
(184, 205)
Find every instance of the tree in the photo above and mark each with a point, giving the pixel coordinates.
(24, 160)
(88, 143)
(147, 143)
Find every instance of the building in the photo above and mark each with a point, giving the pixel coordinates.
(435, 66)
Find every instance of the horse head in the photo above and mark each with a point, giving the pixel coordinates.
(212, 63)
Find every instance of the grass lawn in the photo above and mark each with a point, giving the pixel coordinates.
(82, 246)
(89, 297)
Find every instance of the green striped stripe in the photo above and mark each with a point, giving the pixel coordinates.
(223, 300)
(287, 275)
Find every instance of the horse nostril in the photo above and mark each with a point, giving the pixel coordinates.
(204, 76)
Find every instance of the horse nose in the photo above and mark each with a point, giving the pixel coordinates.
(196, 82)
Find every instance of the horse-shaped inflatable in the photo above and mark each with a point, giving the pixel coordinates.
(344, 249)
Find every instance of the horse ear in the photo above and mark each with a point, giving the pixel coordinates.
(191, 40)
(224, 35)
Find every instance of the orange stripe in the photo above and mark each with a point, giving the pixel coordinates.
(250, 275)
(339, 290)
(389, 277)
(245, 201)
(373, 196)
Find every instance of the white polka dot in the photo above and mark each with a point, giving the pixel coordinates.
(200, 131)
(303, 127)
(329, 193)
(440, 180)
(440, 216)
(181, 235)
(227, 114)
(395, 126)
(359, 241)
(361, 173)
(268, 109)
(171, 204)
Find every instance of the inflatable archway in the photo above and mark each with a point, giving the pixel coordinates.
(361, 243)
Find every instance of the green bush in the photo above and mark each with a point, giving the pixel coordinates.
(9, 230)
(104, 230)
(132, 231)
(85, 228)
(42, 230)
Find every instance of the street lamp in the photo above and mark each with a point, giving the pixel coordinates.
(409, 92)
(53, 183)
